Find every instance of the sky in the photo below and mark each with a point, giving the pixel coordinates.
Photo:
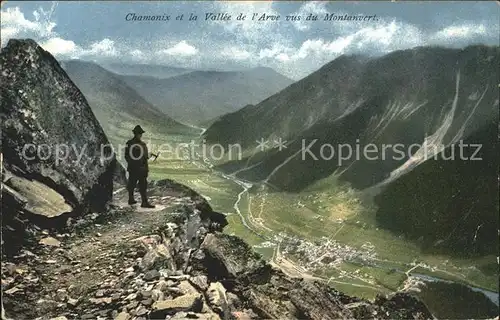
(98, 31)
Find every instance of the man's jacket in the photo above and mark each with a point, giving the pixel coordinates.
(136, 155)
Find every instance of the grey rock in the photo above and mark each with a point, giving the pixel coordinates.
(152, 275)
(123, 316)
(193, 315)
(217, 299)
(186, 288)
(156, 257)
(141, 312)
(190, 302)
(100, 293)
(147, 302)
(49, 241)
(236, 257)
(157, 295)
(163, 285)
(201, 282)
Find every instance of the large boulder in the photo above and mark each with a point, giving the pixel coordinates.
(56, 157)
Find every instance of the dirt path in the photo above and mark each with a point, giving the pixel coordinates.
(104, 247)
(76, 270)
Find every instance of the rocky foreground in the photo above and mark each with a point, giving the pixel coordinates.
(172, 262)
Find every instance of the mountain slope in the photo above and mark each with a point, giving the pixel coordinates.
(202, 95)
(427, 96)
(151, 70)
(115, 103)
(405, 107)
(449, 203)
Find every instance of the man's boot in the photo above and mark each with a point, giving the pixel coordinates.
(131, 199)
(145, 203)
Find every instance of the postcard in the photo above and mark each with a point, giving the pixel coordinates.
(250, 160)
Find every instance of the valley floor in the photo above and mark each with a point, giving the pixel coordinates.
(323, 233)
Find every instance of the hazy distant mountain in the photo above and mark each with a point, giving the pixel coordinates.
(432, 97)
(114, 102)
(199, 96)
(151, 70)
(325, 93)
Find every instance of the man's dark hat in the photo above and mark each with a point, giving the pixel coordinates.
(138, 129)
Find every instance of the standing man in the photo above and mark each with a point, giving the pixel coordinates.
(137, 155)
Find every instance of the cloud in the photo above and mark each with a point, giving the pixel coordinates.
(270, 52)
(137, 55)
(41, 28)
(236, 53)
(9, 33)
(386, 36)
(14, 24)
(310, 7)
(105, 47)
(68, 49)
(320, 46)
(461, 32)
(464, 31)
(58, 46)
(181, 49)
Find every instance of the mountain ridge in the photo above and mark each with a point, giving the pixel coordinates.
(430, 97)
(199, 96)
(364, 109)
(138, 69)
(113, 99)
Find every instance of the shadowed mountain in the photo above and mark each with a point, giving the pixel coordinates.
(427, 96)
(151, 70)
(374, 123)
(199, 96)
(115, 103)
(449, 203)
